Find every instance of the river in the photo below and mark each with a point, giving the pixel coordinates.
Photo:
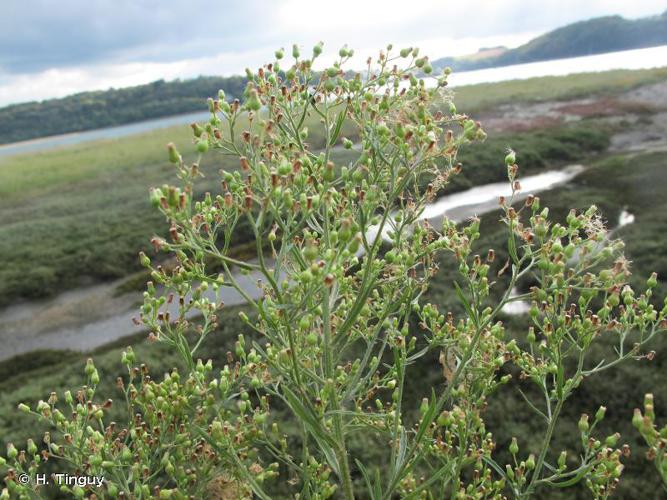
(627, 59)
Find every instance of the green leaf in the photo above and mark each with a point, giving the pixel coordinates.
(464, 301)
(367, 480)
(324, 440)
(338, 126)
(400, 456)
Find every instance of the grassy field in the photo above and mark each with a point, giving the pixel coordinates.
(475, 98)
(81, 214)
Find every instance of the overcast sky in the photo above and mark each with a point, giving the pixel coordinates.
(52, 48)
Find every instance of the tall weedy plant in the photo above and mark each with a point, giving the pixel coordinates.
(345, 259)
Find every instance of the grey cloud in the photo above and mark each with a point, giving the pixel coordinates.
(39, 34)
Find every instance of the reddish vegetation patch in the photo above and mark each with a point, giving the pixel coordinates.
(606, 106)
(506, 124)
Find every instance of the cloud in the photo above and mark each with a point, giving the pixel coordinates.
(50, 49)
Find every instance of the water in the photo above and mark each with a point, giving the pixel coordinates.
(56, 141)
(482, 199)
(90, 317)
(652, 57)
(628, 59)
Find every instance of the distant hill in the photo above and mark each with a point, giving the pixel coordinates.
(91, 110)
(595, 36)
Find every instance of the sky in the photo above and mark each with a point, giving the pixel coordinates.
(53, 48)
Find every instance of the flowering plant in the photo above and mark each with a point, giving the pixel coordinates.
(344, 259)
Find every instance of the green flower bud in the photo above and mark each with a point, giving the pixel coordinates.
(317, 49)
(24, 408)
(652, 281)
(530, 463)
(196, 129)
(202, 146)
(510, 158)
(583, 423)
(144, 260)
(562, 459)
(312, 339)
(279, 54)
(534, 310)
(12, 452)
(612, 440)
(295, 51)
(514, 447)
(599, 415)
(174, 157)
(253, 103)
(444, 419)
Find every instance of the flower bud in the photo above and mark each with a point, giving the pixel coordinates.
(612, 440)
(174, 157)
(510, 158)
(638, 419)
(514, 447)
(583, 423)
(295, 51)
(599, 415)
(202, 146)
(312, 339)
(279, 54)
(423, 408)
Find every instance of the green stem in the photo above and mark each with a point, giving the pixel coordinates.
(341, 451)
(545, 446)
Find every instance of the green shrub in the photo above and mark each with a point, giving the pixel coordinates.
(316, 400)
